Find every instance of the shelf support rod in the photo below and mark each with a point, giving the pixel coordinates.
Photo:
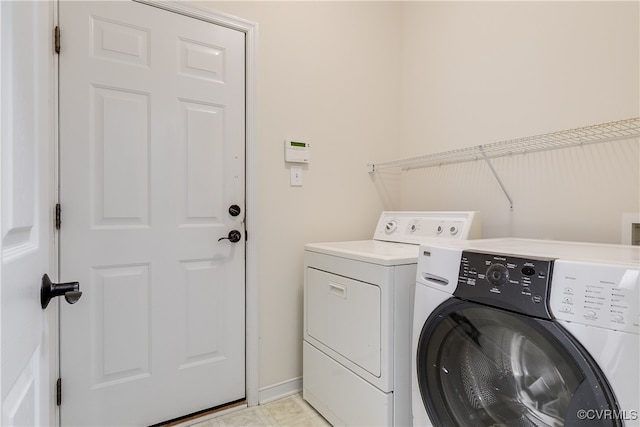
(495, 174)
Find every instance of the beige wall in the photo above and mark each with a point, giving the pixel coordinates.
(481, 72)
(375, 81)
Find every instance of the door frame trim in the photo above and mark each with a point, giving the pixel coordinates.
(250, 29)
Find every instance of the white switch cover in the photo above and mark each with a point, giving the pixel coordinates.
(296, 176)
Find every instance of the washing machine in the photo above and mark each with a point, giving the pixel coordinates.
(517, 332)
(357, 317)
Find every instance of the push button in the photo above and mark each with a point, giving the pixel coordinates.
(528, 271)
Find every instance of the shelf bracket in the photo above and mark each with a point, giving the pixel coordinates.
(495, 174)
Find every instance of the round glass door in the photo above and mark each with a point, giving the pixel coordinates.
(482, 366)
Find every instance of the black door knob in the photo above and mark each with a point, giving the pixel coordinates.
(48, 290)
(234, 236)
(234, 210)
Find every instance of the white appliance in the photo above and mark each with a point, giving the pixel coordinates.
(518, 332)
(357, 317)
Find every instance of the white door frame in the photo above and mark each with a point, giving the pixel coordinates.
(250, 29)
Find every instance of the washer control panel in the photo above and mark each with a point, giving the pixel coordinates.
(596, 294)
(506, 281)
(419, 227)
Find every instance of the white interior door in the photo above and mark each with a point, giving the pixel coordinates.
(152, 156)
(26, 130)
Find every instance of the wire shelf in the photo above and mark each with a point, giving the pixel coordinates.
(604, 132)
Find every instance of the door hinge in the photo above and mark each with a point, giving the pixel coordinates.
(56, 42)
(58, 216)
(59, 392)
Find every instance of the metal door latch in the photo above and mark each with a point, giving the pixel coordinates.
(234, 236)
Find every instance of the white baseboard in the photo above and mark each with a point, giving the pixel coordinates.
(280, 390)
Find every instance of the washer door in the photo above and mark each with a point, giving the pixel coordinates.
(482, 366)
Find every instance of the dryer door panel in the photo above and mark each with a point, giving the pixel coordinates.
(345, 315)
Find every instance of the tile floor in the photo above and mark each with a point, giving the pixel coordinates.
(291, 411)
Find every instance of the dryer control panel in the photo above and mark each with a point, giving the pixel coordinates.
(517, 284)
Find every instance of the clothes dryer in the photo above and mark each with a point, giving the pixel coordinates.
(516, 332)
(357, 317)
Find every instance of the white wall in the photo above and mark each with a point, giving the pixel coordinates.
(376, 81)
(482, 72)
(327, 74)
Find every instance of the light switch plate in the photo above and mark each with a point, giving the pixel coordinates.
(296, 176)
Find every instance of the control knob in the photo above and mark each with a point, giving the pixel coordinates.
(391, 226)
(497, 274)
